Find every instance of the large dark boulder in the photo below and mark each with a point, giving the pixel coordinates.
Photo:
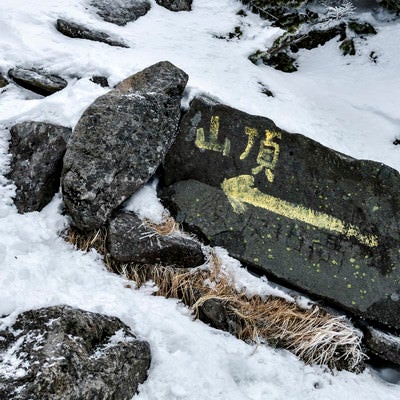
(121, 12)
(70, 354)
(290, 207)
(176, 5)
(37, 80)
(132, 240)
(119, 142)
(78, 31)
(37, 150)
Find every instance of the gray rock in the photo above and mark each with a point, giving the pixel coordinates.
(119, 142)
(120, 12)
(100, 80)
(162, 77)
(3, 81)
(77, 31)
(70, 354)
(37, 81)
(131, 240)
(383, 344)
(176, 5)
(290, 207)
(37, 150)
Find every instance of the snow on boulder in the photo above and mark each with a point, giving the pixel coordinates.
(37, 80)
(286, 205)
(176, 5)
(62, 352)
(37, 150)
(120, 12)
(119, 142)
(132, 240)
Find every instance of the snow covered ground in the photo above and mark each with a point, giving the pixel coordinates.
(347, 103)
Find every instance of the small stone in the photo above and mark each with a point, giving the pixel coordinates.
(383, 344)
(120, 12)
(3, 81)
(37, 81)
(176, 5)
(100, 80)
(362, 28)
(348, 47)
(132, 241)
(77, 31)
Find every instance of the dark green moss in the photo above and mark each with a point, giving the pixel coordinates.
(362, 28)
(348, 47)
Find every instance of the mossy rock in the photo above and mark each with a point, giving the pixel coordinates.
(348, 47)
(362, 28)
(280, 60)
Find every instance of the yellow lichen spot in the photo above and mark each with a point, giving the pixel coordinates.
(269, 236)
(348, 286)
(256, 259)
(352, 260)
(353, 302)
(270, 256)
(334, 262)
(288, 249)
(357, 266)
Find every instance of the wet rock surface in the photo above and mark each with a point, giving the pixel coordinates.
(37, 81)
(120, 12)
(70, 354)
(131, 240)
(37, 150)
(288, 206)
(176, 5)
(119, 142)
(77, 31)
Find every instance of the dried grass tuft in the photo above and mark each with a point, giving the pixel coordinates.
(167, 227)
(313, 335)
(96, 240)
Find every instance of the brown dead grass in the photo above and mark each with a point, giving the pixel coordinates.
(313, 335)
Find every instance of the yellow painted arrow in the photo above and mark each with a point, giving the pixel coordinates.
(241, 191)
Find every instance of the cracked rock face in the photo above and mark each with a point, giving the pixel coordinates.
(119, 142)
(65, 353)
